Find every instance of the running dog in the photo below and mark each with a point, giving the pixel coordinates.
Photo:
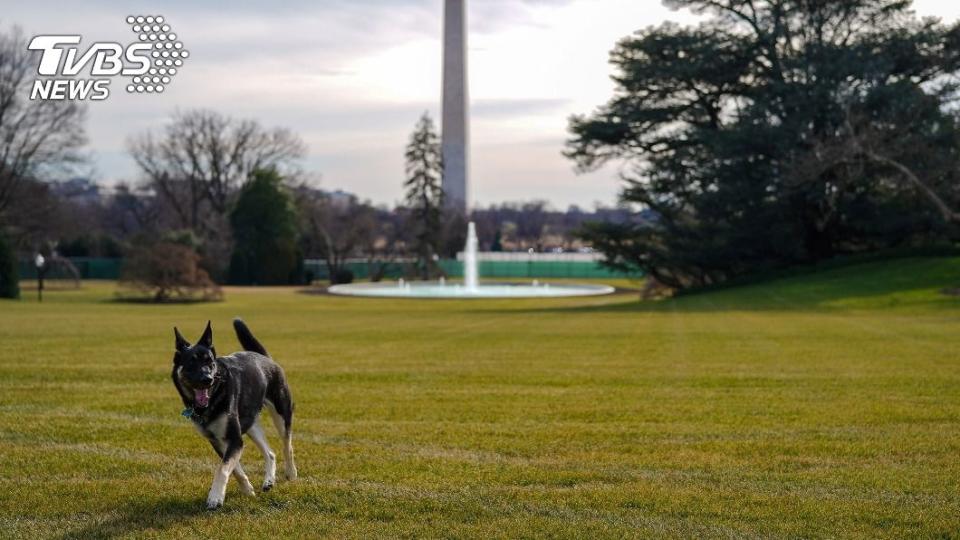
(223, 397)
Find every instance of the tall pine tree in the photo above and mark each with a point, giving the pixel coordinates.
(425, 193)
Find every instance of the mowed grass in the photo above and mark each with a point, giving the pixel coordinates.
(817, 406)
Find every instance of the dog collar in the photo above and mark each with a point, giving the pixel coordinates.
(188, 413)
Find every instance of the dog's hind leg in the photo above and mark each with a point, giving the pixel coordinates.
(283, 420)
(289, 466)
(270, 459)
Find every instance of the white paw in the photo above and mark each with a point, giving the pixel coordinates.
(291, 473)
(247, 489)
(214, 502)
(267, 484)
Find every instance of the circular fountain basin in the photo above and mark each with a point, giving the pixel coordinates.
(431, 289)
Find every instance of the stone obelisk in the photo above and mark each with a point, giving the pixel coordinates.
(455, 129)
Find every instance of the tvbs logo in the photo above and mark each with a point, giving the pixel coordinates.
(149, 64)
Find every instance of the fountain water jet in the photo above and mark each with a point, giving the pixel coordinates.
(471, 279)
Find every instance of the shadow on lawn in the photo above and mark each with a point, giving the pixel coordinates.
(137, 518)
(896, 283)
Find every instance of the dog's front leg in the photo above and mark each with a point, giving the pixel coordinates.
(245, 486)
(231, 456)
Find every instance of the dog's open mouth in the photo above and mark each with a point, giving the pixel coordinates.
(201, 396)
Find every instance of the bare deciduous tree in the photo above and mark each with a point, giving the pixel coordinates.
(36, 136)
(386, 245)
(34, 216)
(201, 159)
(335, 229)
(130, 211)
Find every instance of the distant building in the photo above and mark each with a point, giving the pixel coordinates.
(80, 190)
(340, 197)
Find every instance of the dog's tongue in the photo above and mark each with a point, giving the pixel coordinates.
(202, 397)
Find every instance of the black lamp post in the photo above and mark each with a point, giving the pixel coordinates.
(39, 261)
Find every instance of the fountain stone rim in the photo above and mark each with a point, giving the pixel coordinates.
(424, 290)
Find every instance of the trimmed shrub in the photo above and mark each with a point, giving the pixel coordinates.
(166, 272)
(341, 276)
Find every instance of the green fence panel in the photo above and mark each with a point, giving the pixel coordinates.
(546, 269)
(451, 267)
(488, 269)
(26, 270)
(87, 267)
(104, 268)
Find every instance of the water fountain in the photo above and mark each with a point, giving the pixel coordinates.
(471, 278)
(471, 287)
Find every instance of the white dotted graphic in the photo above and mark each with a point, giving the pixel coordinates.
(167, 52)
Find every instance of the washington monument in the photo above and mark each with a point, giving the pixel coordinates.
(455, 129)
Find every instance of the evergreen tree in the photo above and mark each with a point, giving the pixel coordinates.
(777, 132)
(9, 275)
(424, 194)
(497, 241)
(264, 223)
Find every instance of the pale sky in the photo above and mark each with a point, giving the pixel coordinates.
(353, 76)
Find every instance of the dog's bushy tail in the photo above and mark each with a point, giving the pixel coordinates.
(247, 341)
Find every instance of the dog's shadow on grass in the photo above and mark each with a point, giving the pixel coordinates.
(135, 519)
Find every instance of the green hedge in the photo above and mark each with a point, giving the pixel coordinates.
(9, 279)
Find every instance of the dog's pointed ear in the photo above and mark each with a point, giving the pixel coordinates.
(180, 343)
(207, 338)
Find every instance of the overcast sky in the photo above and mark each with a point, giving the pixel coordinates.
(353, 76)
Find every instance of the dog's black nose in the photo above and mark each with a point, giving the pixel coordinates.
(206, 379)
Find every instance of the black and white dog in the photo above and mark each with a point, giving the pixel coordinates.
(223, 397)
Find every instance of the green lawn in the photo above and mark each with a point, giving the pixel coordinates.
(817, 406)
